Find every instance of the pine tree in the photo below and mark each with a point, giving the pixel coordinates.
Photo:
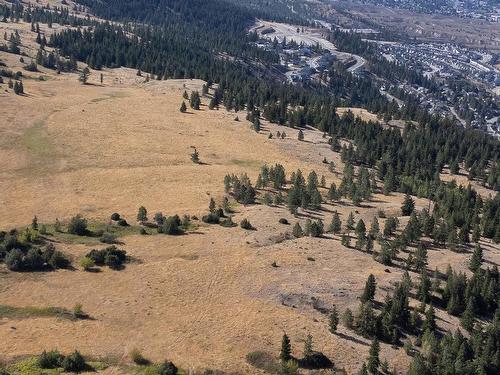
(467, 319)
(420, 260)
(430, 320)
(345, 240)
(34, 223)
(476, 259)
(183, 108)
(84, 76)
(195, 101)
(335, 225)
(361, 229)
(374, 228)
(286, 349)
(373, 358)
(348, 319)
(408, 205)
(212, 206)
(350, 221)
(142, 214)
(333, 319)
(370, 288)
(308, 346)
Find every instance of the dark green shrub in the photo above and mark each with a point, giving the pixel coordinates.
(228, 223)
(220, 212)
(171, 226)
(316, 360)
(115, 216)
(283, 221)
(52, 359)
(138, 358)
(245, 224)
(112, 261)
(74, 363)
(14, 260)
(110, 256)
(33, 260)
(122, 223)
(264, 361)
(108, 238)
(167, 368)
(211, 219)
(143, 231)
(78, 226)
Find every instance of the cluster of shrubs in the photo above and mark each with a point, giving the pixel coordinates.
(24, 251)
(70, 363)
(165, 368)
(172, 225)
(110, 256)
(119, 220)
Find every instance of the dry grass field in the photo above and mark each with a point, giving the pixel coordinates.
(204, 299)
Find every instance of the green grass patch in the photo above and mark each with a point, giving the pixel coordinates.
(247, 163)
(29, 366)
(152, 369)
(113, 95)
(26, 312)
(95, 228)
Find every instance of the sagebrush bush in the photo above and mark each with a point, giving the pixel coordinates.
(245, 224)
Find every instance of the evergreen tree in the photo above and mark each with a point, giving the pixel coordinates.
(476, 259)
(430, 320)
(333, 319)
(195, 100)
(360, 229)
(370, 288)
(308, 346)
(373, 358)
(467, 318)
(84, 76)
(183, 107)
(408, 205)
(374, 228)
(336, 225)
(286, 349)
(142, 214)
(34, 223)
(350, 221)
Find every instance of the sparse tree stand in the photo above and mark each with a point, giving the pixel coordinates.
(84, 76)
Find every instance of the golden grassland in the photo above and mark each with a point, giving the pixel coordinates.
(204, 299)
